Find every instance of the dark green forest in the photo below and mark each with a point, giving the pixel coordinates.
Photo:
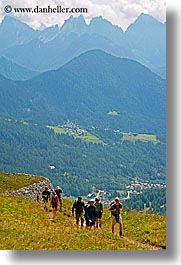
(79, 165)
(154, 200)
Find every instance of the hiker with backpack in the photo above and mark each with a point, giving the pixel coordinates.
(91, 214)
(115, 209)
(99, 211)
(54, 204)
(59, 193)
(79, 208)
(45, 197)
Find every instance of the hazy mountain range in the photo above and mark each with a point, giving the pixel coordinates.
(143, 41)
(86, 90)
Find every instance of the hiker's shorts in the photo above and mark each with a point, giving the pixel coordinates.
(54, 205)
(79, 216)
(116, 219)
(98, 215)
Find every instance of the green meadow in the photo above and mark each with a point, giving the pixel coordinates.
(25, 225)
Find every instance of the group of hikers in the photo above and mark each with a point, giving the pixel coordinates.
(54, 199)
(91, 212)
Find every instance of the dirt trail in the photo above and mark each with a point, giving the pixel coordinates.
(138, 244)
(142, 245)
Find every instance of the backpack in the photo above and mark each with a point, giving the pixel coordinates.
(79, 206)
(98, 207)
(113, 207)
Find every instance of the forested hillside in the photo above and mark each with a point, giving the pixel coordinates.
(14, 71)
(79, 165)
(88, 90)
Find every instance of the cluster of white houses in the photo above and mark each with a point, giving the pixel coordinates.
(138, 186)
(72, 128)
(135, 187)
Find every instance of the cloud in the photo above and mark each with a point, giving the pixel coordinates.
(119, 12)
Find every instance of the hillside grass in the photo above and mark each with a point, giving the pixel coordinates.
(90, 138)
(25, 225)
(10, 182)
(140, 137)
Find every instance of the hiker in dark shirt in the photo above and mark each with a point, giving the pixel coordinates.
(115, 209)
(79, 207)
(99, 211)
(59, 193)
(45, 197)
(91, 214)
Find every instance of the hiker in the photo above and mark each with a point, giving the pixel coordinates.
(99, 211)
(85, 215)
(45, 197)
(59, 193)
(37, 197)
(115, 209)
(54, 204)
(91, 214)
(79, 207)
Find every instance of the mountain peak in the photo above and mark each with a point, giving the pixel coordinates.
(74, 24)
(144, 22)
(8, 19)
(74, 20)
(102, 22)
(11, 23)
(146, 18)
(105, 28)
(14, 31)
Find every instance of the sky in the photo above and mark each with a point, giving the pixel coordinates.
(118, 12)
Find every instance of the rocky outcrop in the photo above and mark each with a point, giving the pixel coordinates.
(31, 192)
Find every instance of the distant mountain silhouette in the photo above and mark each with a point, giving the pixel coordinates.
(148, 39)
(143, 41)
(14, 32)
(85, 90)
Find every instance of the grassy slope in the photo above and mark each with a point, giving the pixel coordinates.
(10, 182)
(140, 137)
(25, 225)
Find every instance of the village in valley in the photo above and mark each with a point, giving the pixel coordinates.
(73, 129)
(135, 187)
